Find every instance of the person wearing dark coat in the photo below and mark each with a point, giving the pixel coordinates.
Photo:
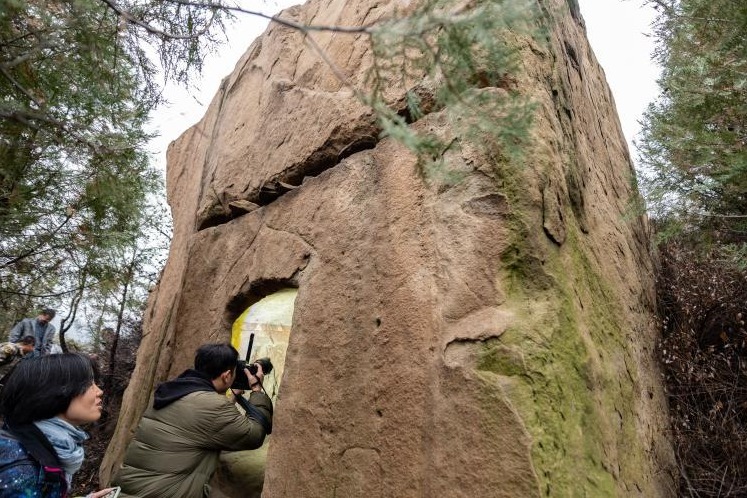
(178, 442)
(43, 403)
(40, 329)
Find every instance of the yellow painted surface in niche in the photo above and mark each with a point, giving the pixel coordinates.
(270, 321)
(241, 473)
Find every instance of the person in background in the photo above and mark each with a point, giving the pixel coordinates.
(43, 403)
(12, 352)
(39, 328)
(178, 442)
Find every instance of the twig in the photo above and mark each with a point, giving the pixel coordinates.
(130, 18)
(26, 117)
(368, 29)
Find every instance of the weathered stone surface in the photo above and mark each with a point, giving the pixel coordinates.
(490, 338)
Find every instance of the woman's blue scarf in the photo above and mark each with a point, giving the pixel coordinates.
(67, 442)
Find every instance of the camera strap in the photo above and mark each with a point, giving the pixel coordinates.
(254, 413)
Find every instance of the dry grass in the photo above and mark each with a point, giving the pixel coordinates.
(86, 479)
(704, 350)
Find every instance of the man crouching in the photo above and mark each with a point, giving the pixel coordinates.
(177, 444)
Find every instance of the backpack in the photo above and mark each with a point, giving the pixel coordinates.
(27, 458)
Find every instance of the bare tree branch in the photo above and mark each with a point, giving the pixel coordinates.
(19, 87)
(368, 29)
(39, 296)
(130, 18)
(335, 69)
(28, 117)
(41, 244)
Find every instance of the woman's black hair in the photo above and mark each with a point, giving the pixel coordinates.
(43, 387)
(214, 359)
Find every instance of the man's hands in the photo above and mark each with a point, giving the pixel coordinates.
(255, 381)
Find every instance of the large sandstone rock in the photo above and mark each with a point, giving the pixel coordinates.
(491, 338)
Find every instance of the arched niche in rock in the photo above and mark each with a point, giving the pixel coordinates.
(241, 473)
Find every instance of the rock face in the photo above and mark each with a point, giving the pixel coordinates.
(489, 338)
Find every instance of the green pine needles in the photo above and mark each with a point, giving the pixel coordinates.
(694, 141)
(456, 57)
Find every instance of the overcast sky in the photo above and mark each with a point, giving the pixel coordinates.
(617, 30)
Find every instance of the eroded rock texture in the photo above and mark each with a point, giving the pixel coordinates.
(491, 338)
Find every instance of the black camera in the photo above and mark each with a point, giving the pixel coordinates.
(242, 381)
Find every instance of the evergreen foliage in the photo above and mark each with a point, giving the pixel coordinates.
(694, 142)
(77, 84)
(694, 177)
(461, 58)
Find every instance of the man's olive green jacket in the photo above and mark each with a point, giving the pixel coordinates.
(176, 448)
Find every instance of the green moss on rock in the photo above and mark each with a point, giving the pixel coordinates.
(500, 359)
(568, 372)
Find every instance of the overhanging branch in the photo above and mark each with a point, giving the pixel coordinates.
(367, 29)
(28, 118)
(132, 19)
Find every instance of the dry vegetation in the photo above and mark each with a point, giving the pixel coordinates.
(87, 478)
(704, 351)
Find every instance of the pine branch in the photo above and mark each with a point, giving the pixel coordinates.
(30, 118)
(19, 87)
(305, 28)
(132, 19)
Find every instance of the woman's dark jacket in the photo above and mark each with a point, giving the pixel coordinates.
(29, 467)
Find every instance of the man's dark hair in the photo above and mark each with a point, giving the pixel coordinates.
(43, 387)
(29, 340)
(214, 359)
(49, 312)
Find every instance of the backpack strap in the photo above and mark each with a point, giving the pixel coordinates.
(36, 444)
(40, 450)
